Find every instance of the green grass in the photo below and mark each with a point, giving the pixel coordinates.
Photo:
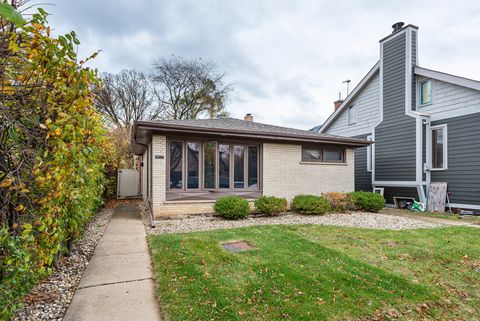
(307, 272)
(450, 216)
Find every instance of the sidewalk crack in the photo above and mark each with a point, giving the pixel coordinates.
(110, 283)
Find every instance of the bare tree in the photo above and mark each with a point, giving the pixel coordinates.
(124, 98)
(188, 89)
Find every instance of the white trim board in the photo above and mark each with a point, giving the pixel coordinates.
(468, 206)
(457, 80)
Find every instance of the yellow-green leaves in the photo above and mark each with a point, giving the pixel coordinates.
(9, 13)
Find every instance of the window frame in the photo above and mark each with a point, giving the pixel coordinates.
(322, 154)
(420, 83)
(186, 160)
(431, 144)
(349, 120)
(202, 142)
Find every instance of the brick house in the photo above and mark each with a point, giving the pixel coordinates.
(187, 164)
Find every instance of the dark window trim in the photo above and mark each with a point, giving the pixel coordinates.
(217, 189)
(322, 153)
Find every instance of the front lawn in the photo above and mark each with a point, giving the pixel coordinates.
(309, 272)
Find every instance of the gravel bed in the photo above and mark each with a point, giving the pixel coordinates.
(194, 223)
(50, 299)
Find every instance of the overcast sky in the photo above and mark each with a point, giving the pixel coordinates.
(285, 59)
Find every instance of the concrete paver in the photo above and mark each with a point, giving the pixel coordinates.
(118, 283)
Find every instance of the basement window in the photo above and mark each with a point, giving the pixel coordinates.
(425, 90)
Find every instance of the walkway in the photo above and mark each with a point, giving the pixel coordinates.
(118, 284)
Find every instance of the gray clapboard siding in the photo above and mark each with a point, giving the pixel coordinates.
(450, 100)
(368, 112)
(463, 173)
(363, 178)
(395, 135)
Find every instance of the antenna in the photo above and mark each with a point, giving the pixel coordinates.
(348, 85)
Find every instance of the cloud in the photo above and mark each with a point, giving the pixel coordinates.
(286, 59)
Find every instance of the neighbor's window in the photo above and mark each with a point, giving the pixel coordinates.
(439, 147)
(193, 165)
(425, 92)
(323, 154)
(352, 115)
(176, 159)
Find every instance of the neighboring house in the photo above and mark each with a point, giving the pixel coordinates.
(187, 164)
(425, 125)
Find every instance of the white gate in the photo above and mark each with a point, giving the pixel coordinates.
(128, 183)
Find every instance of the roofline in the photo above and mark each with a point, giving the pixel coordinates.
(457, 80)
(185, 129)
(366, 79)
(399, 31)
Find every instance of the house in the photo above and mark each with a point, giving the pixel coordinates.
(424, 124)
(187, 164)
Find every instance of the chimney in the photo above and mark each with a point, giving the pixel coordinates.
(248, 117)
(337, 104)
(397, 27)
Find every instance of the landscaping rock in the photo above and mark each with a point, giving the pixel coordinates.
(196, 223)
(50, 299)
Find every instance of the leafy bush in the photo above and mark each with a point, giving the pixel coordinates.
(339, 202)
(271, 205)
(232, 207)
(52, 151)
(367, 201)
(310, 204)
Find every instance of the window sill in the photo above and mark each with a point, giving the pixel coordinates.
(425, 105)
(437, 169)
(323, 163)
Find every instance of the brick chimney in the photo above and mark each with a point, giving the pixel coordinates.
(248, 117)
(337, 104)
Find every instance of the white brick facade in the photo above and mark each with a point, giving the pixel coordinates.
(159, 171)
(285, 175)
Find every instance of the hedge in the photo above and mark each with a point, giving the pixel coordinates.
(271, 205)
(367, 201)
(310, 204)
(232, 207)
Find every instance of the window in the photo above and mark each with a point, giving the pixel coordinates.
(238, 166)
(369, 155)
(252, 166)
(176, 153)
(209, 165)
(323, 154)
(352, 115)
(425, 92)
(224, 165)
(439, 147)
(212, 165)
(193, 165)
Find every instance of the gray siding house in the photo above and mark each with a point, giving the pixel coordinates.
(424, 124)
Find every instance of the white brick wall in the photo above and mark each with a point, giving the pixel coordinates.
(284, 175)
(159, 171)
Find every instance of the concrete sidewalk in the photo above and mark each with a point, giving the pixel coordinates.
(118, 283)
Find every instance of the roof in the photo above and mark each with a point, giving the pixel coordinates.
(233, 129)
(457, 80)
(369, 76)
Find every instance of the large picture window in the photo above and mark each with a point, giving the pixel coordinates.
(176, 157)
(213, 166)
(323, 154)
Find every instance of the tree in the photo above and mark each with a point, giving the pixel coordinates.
(188, 89)
(124, 98)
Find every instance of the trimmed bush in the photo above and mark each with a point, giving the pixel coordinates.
(367, 201)
(310, 204)
(232, 207)
(271, 205)
(339, 202)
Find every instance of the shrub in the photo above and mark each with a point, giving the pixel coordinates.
(271, 205)
(310, 204)
(339, 202)
(367, 201)
(232, 207)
